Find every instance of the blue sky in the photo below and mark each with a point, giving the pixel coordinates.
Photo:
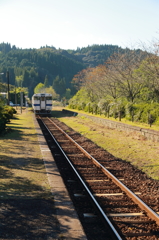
(69, 24)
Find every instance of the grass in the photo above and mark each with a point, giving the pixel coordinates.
(141, 153)
(22, 171)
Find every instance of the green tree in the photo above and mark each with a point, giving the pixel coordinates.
(15, 94)
(50, 90)
(59, 85)
(39, 88)
(62, 87)
(68, 93)
(25, 78)
(19, 80)
(46, 82)
(55, 84)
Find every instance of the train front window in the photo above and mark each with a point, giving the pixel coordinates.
(48, 98)
(36, 98)
(42, 98)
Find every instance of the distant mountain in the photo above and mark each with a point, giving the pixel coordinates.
(91, 56)
(33, 65)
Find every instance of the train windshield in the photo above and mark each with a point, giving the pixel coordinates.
(42, 98)
(48, 98)
(36, 98)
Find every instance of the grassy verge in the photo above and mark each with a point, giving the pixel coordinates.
(22, 170)
(123, 120)
(141, 153)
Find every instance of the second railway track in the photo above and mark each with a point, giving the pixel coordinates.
(128, 203)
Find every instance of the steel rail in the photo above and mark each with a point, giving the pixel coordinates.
(84, 185)
(153, 215)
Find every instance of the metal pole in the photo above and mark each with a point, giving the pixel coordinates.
(15, 97)
(21, 100)
(8, 88)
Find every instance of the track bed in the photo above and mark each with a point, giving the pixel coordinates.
(127, 217)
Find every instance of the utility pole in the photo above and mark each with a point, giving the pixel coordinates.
(15, 97)
(21, 101)
(8, 101)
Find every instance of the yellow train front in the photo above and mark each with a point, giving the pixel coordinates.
(42, 103)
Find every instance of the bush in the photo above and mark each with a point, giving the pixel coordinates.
(2, 121)
(150, 113)
(120, 108)
(144, 112)
(6, 113)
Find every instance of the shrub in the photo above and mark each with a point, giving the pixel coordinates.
(150, 113)
(2, 120)
(144, 112)
(6, 113)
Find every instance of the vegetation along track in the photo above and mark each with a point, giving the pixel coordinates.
(119, 191)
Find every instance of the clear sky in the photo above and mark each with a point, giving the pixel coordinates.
(69, 24)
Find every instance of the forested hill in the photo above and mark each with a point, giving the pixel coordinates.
(28, 67)
(92, 56)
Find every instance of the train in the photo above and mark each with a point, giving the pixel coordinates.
(42, 103)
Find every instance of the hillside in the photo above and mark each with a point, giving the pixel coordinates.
(91, 56)
(28, 67)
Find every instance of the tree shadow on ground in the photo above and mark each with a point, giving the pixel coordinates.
(63, 113)
(27, 210)
(14, 132)
(31, 219)
(28, 219)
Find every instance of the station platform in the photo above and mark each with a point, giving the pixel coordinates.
(70, 226)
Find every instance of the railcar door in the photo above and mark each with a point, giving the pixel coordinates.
(43, 102)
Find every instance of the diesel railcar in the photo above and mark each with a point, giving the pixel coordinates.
(42, 103)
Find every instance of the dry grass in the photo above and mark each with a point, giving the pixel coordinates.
(22, 170)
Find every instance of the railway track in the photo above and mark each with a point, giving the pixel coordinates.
(118, 208)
